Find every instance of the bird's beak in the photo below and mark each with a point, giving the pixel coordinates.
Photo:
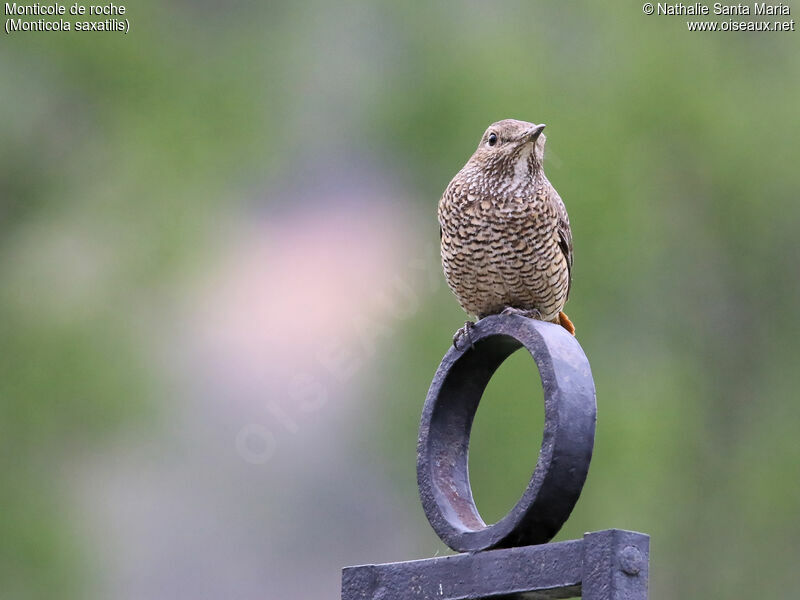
(536, 132)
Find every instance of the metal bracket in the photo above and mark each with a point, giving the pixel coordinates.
(604, 565)
(510, 559)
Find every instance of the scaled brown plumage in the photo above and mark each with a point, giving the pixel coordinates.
(506, 239)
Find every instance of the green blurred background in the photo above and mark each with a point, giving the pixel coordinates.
(221, 304)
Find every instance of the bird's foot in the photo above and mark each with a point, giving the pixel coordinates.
(532, 313)
(464, 332)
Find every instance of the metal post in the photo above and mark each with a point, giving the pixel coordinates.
(615, 565)
(510, 558)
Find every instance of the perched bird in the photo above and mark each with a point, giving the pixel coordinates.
(505, 234)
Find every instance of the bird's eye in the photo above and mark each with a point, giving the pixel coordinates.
(492, 139)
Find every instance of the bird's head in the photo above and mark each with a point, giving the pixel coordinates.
(511, 148)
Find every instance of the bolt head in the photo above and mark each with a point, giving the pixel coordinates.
(631, 560)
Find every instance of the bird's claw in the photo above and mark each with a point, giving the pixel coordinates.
(464, 332)
(532, 313)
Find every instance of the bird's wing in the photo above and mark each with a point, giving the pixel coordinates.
(564, 236)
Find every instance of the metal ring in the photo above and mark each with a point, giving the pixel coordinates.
(570, 415)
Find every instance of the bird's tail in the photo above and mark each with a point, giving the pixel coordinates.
(564, 321)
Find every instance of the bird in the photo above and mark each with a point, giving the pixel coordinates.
(506, 241)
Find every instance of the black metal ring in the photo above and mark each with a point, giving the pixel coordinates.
(566, 451)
